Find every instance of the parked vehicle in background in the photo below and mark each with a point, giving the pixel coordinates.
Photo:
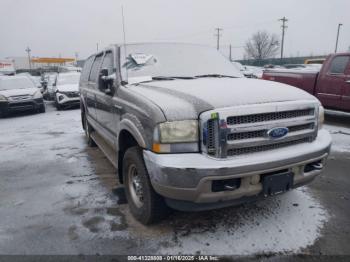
(49, 92)
(7, 67)
(34, 79)
(315, 61)
(67, 90)
(248, 71)
(18, 93)
(185, 129)
(331, 85)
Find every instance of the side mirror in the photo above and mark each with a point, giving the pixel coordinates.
(105, 83)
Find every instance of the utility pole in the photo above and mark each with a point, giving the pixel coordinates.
(97, 47)
(230, 53)
(284, 21)
(336, 43)
(28, 50)
(218, 35)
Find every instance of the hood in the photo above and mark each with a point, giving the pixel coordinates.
(18, 92)
(68, 88)
(186, 99)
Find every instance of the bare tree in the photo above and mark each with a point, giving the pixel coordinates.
(262, 45)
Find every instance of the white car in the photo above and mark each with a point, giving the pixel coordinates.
(18, 93)
(67, 90)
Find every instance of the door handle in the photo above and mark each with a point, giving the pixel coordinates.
(347, 81)
(118, 107)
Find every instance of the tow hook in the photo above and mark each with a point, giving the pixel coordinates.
(318, 166)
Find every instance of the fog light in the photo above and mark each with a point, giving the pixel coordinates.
(61, 97)
(255, 180)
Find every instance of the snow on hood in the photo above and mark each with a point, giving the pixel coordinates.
(18, 92)
(186, 99)
(68, 88)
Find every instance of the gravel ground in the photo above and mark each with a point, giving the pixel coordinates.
(58, 196)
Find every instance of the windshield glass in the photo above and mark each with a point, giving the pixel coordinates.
(68, 79)
(7, 83)
(173, 60)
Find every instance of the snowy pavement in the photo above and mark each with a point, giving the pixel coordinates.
(60, 197)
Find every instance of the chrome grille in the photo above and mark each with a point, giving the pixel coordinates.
(255, 118)
(235, 131)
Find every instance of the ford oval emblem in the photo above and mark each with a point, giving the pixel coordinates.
(277, 132)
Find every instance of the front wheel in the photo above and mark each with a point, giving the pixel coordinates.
(42, 109)
(145, 204)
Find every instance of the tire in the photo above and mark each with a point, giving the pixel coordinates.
(145, 205)
(58, 107)
(42, 109)
(88, 129)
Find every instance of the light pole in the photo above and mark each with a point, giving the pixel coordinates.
(336, 43)
(29, 62)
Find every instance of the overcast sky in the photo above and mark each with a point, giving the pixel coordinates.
(63, 27)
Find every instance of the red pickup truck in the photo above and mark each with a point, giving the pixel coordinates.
(331, 85)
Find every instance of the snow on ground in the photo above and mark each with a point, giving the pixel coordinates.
(286, 223)
(340, 137)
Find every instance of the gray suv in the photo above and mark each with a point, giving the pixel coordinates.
(186, 130)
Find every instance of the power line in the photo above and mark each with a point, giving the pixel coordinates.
(284, 20)
(218, 35)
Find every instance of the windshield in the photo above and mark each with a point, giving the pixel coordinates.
(68, 79)
(173, 60)
(8, 83)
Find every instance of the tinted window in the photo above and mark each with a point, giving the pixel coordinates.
(108, 62)
(339, 64)
(86, 69)
(95, 68)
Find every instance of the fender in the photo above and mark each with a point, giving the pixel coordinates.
(128, 125)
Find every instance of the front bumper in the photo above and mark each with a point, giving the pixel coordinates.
(67, 101)
(31, 104)
(189, 177)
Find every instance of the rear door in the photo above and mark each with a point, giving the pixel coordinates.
(331, 83)
(345, 102)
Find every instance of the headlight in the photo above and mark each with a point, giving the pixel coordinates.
(177, 136)
(37, 94)
(3, 98)
(320, 117)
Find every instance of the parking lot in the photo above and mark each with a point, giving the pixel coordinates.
(59, 196)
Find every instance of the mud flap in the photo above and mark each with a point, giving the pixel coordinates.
(277, 183)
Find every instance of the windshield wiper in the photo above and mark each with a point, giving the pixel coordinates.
(171, 77)
(215, 75)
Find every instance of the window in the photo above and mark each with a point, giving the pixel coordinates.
(339, 64)
(86, 69)
(95, 69)
(108, 62)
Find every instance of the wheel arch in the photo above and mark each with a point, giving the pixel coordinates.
(129, 136)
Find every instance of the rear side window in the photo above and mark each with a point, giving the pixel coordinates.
(86, 69)
(108, 62)
(339, 64)
(95, 69)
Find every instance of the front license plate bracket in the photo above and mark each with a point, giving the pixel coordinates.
(277, 183)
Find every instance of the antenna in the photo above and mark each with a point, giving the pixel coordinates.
(124, 42)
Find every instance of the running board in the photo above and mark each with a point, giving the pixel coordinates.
(105, 148)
